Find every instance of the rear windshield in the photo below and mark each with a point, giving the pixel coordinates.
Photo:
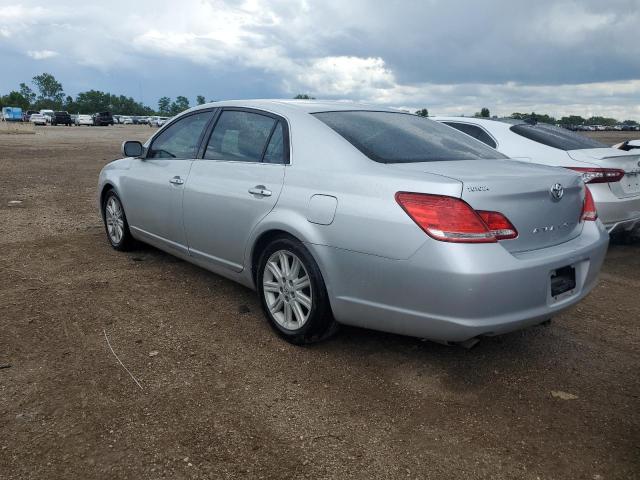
(389, 137)
(556, 137)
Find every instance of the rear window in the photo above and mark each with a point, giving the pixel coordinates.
(556, 137)
(389, 137)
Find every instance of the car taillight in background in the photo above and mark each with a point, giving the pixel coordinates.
(599, 175)
(450, 219)
(589, 212)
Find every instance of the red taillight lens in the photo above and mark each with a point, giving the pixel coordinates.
(450, 219)
(589, 212)
(499, 225)
(599, 175)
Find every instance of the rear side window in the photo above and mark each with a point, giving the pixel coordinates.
(556, 137)
(275, 149)
(240, 136)
(180, 139)
(389, 137)
(473, 131)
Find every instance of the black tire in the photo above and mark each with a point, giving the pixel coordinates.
(320, 323)
(124, 242)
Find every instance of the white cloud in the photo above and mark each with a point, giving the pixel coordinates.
(451, 58)
(42, 54)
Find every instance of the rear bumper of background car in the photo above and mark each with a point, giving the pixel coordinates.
(453, 292)
(617, 214)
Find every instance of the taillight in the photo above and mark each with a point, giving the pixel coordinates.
(599, 175)
(451, 219)
(499, 225)
(589, 212)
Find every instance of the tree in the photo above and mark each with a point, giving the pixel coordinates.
(51, 92)
(423, 112)
(598, 120)
(180, 105)
(200, 100)
(631, 123)
(534, 117)
(484, 113)
(27, 93)
(14, 99)
(303, 96)
(164, 104)
(571, 120)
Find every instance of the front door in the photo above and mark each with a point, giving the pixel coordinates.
(153, 189)
(235, 185)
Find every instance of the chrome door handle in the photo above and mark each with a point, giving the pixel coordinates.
(176, 180)
(260, 190)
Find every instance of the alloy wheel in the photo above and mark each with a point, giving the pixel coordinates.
(287, 290)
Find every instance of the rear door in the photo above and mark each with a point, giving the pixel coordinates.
(153, 187)
(235, 184)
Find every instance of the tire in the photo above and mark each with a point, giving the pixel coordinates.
(300, 314)
(115, 223)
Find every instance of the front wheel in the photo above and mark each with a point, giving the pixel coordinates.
(115, 223)
(293, 294)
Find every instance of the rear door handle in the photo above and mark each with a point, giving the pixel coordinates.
(176, 180)
(260, 190)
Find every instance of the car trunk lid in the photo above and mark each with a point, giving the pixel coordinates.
(521, 192)
(629, 185)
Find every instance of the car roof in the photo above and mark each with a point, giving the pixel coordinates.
(286, 106)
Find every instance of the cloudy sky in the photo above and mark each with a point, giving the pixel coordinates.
(453, 57)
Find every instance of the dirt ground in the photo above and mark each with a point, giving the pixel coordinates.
(223, 397)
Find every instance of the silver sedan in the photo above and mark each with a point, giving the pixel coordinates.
(343, 214)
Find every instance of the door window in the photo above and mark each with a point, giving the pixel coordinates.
(240, 136)
(180, 139)
(275, 149)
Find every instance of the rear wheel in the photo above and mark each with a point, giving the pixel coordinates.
(293, 294)
(115, 223)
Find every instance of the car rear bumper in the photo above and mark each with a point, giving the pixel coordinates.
(617, 214)
(453, 292)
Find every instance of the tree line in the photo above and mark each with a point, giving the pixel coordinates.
(571, 120)
(45, 92)
(48, 93)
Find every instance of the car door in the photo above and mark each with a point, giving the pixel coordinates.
(234, 185)
(154, 185)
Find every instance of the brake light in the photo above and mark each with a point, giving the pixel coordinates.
(499, 225)
(599, 175)
(589, 212)
(450, 219)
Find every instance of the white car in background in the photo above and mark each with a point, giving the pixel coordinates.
(157, 121)
(124, 120)
(47, 114)
(629, 145)
(613, 175)
(38, 119)
(84, 120)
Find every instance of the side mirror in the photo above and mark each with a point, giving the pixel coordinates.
(132, 148)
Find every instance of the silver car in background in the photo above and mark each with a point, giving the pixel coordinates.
(613, 175)
(344, 214)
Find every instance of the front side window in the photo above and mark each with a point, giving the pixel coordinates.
(555, 137)
(473, 131)
(389, 137)
(180, 139)
(239, 136)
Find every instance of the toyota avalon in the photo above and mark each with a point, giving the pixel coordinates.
(344, 214)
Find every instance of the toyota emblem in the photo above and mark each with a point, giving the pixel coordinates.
(557, 191)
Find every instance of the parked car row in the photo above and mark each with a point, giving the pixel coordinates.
(344, 214)
(601, 128)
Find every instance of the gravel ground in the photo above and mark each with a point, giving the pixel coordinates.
(222, 397)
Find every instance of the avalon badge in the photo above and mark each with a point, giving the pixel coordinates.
(557, 191)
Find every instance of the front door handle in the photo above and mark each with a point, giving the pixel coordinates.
(260, 190)
(176, 180)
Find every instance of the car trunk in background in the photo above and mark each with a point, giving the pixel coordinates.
(522, 192)
(629, 185)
